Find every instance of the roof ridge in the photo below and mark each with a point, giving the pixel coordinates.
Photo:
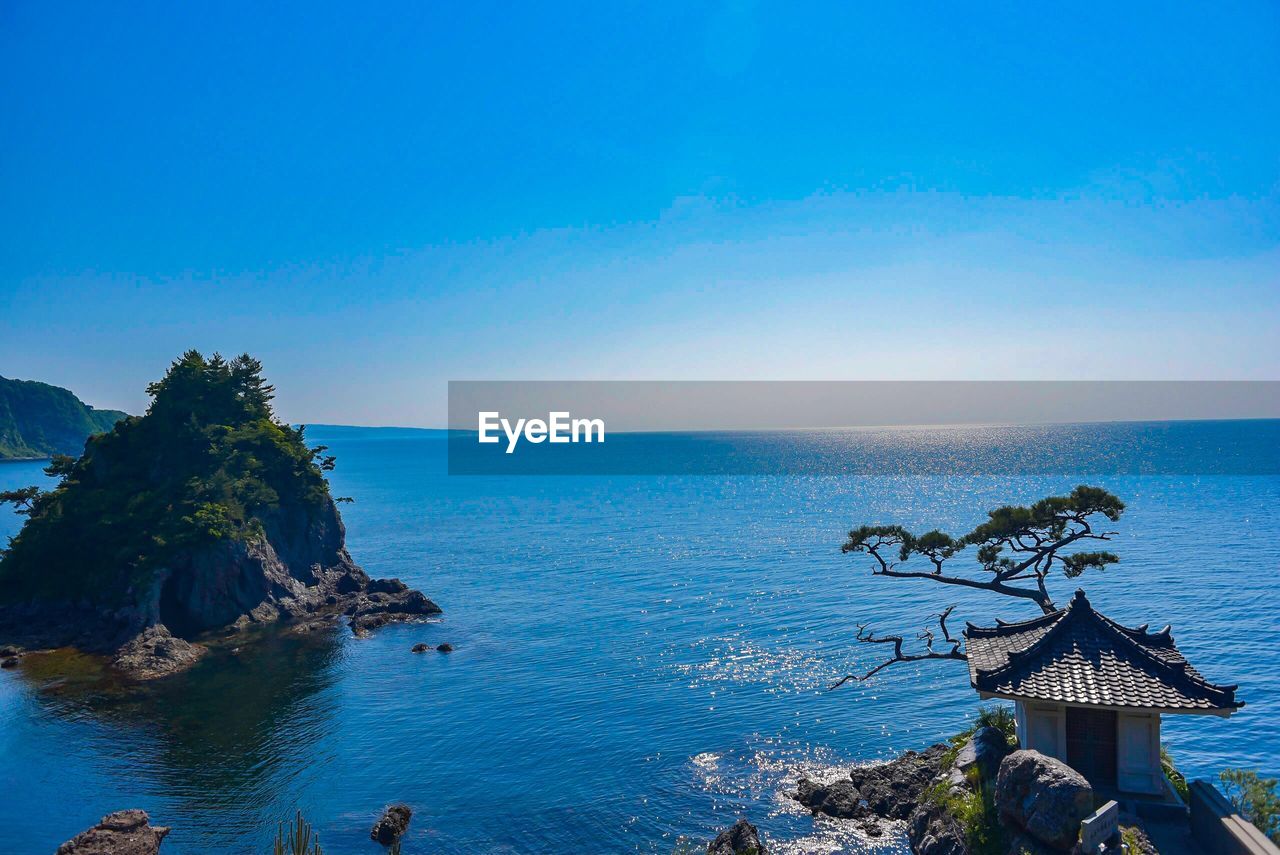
(1081, 609)
(1180, 669)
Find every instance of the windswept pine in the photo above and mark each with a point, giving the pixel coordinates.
(206, 512)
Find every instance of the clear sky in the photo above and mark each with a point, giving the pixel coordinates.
(377, 198)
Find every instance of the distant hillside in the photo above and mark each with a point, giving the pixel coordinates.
(39, 420)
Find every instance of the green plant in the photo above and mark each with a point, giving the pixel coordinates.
(1255, 798)
(1001, 717)
(976, 812)
(298, 840)
(1176, 778)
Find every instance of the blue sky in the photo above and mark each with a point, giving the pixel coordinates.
(375, 201)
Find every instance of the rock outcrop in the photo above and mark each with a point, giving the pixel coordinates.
(1044, 797)
(296, 571)
(205, 514)
(890, 790)
(392, 825)
(840, 798)
(741, 839)
(125, 832)
(933, 830)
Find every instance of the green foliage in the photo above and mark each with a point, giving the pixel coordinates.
(1014, 538)
(1255, 798)
(1001, 717)
(206, 462)
(1176, 778)
(37, 420)
(297, 840)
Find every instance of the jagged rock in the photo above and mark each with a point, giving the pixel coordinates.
(375, 608)
(983, 750)
(125, 832)
(392, 825)
(1044, 797)
(839, 798)
(155, 653)
(445, 648)
(893, 789)
(741, 839)
(933, 830)
(871, 827)
(421, 648)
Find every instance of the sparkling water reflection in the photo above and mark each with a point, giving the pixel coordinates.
(639, 659)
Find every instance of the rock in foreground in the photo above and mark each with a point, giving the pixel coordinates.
(742, 839)
(1044, 797)
(125, 832)
(392, 825)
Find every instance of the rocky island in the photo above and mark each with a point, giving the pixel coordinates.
(204, 517)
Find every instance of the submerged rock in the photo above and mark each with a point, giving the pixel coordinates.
(1044, 797)
(445, 648)
(421, 648)
(741, 839)
(392, 825)
(125, 832)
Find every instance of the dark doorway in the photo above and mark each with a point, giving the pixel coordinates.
(1091, 744)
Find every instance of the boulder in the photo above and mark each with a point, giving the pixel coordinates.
(933, 830)
(445, 648)
(839, 798)
(155, 653)
(420, 648)
(741, 839)
(392, 825)
(893, 789)
(125, 832)
(11, 662)
(1044, 797)
(984, 750)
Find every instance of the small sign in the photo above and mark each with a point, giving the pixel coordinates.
(1101, 826)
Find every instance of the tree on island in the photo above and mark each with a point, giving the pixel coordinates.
(1017, 549)
(204, 463)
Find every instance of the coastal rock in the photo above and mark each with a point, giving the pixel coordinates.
(11, 662)
(126, 832)
(421, 648)
(1044, 797)
(392, 825)
(839, 798)
(383, 603)
(893, 790)
(445, 648)
(984, 750)
(933, 830)
(155, 653)
(741, 839)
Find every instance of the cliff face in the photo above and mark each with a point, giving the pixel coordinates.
(205, 514)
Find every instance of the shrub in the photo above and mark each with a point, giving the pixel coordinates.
(1001, 717)
(1176, 778)
(1255, 798)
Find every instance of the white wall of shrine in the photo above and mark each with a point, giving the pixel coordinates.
(1043, 727)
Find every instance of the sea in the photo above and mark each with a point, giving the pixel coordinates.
(642, 656)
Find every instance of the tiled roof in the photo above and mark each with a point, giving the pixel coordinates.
(1078, 656)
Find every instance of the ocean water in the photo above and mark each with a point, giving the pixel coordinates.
(640, 659)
